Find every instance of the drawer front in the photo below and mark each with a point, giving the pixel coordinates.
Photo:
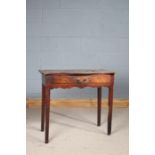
(78, 79)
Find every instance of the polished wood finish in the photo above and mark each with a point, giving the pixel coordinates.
(75, 78)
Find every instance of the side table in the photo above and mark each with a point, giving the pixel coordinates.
(52, 79)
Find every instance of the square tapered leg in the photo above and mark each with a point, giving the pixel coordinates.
(47, 113)
(43, 108)
(99, 100)
(110, 105)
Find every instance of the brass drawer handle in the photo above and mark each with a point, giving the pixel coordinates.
(81, 81)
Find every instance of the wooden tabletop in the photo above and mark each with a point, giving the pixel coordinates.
(76, 71)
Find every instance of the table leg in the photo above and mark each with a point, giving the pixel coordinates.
(43, 108)
(47, 112)
(99, 99)
(110, 104)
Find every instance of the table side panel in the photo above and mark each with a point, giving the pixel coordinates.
(68, 81)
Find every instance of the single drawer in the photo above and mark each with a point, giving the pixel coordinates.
(78, 79)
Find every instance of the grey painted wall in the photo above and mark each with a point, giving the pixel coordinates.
(68, 34)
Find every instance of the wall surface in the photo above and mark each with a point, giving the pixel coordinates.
(74, 34)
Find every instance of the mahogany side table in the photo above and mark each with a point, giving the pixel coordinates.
(76, 78)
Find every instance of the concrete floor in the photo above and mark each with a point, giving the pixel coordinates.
(73, 131)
